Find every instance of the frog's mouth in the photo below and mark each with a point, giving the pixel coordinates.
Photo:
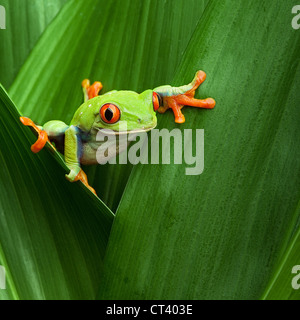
(110, 132)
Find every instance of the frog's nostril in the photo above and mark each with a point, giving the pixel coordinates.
(139, 120)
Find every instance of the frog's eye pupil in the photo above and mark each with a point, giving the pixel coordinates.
(109, 114)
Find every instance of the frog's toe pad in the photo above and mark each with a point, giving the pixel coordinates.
(93, 90)
(83, 178)
(42, 138)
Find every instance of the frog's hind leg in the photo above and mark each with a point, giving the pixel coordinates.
(90, 91)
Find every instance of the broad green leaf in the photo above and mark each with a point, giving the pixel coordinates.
(285, 283)
(125, 44)
(219, 235)
(53, 233)
(25, 22)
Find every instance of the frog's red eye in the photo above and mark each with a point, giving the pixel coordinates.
(156, 99)
(110, 113)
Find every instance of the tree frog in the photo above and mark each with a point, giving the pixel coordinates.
(113, 110)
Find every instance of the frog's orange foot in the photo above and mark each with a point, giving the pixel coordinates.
(91, 91)
(83, 178)
(176, 103)
(42, 135)
(186, 98)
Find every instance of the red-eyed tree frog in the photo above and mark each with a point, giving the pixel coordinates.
(113, 110)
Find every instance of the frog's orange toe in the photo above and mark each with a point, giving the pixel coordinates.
(83, 178)
(92, 91)
(40, 143)
(85, 83)
(28, 122)
(210, 103)
(176, 108)
(42, 138)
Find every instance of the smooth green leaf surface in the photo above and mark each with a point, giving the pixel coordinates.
(53, 233)
(285, 283)
(132, 45)
(220, 234)
(230, 233)
(25, 22)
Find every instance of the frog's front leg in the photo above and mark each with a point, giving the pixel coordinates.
(51, 131)
(59, 132)
(177, 97)
(42, 134)
(73, 150)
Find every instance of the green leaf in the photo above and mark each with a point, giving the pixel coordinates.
(284, 284)
(25, 22)
(220, 234)
(231, 232)
(126, 44)
(53, 233)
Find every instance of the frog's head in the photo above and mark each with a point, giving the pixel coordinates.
(124, 111)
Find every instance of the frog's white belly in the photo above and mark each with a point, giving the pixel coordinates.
(95, 152)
